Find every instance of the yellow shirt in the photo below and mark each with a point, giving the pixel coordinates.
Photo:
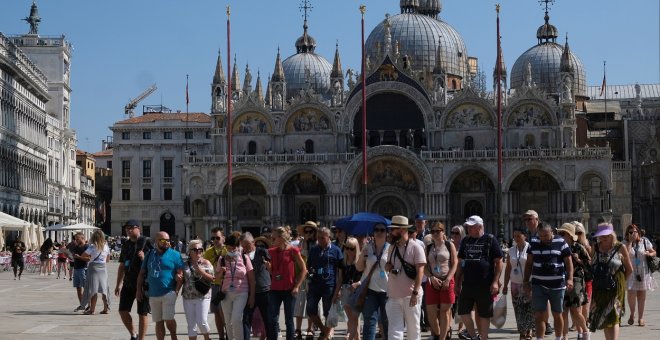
(213, 255)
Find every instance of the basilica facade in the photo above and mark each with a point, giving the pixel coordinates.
(431, 136)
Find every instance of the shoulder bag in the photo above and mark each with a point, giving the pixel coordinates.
(201, 285)
(653, 262)
(409, 269)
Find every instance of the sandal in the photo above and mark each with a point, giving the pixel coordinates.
(641, 323)
(631, 321)
(88, 312)
(105, 311)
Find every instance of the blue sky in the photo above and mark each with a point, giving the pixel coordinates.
(121, 47)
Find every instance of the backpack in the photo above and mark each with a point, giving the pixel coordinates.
(603, 280)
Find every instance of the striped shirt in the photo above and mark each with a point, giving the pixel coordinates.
(548, 266)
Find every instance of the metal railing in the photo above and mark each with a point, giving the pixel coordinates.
(518, 154)
(621, 166)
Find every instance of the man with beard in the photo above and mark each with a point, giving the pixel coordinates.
(77, 248)
(162, 268)
(130, 262)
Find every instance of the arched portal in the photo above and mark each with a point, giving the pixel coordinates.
(250, 203)
(472, 193)
(536, 190)
(302, 198)
(386, 124)
(389, 206)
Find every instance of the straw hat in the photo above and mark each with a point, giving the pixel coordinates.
(568, 228)
(309, 224)
(399, 221)
(264, 240)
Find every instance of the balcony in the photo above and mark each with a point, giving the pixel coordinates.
(621, 166)
(168, 180)
(146, 180)
(126, 180)
(309, 158)
(517, 154)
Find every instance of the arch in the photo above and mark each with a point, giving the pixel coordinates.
(419, 171)
(300, 169)
(303, 197)
(538, 167)
(249, 209)
(354, 105)
(471, 181)
(252, 122)
(388, 204)
(469, 113)
(305, 119)
(530, 114)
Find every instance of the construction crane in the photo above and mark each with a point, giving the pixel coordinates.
(128, 109)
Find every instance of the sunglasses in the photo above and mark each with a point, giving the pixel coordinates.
(197, 250)
(437, 231)
(216, 238)
(528, 219)
(349, 248)
(380, 230)
(632, 232)
(310, 231)
(164, 240)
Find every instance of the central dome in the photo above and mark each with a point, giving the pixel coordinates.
(298, 65)
(418, 37)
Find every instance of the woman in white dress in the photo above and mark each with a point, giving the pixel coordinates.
(97, 255)
(641, 280)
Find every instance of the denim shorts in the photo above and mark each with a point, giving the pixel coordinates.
(79, 277)
(541, 295)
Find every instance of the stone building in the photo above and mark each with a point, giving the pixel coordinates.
(432, 136)
(87, 167)
(52, 56)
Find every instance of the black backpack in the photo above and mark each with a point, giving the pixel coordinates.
(603, 280)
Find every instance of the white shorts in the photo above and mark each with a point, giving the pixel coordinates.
(162, 307)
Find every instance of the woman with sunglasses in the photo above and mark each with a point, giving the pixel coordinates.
(195, 303)
(513, 272)
(441, 263)
(457, 235)
(374, 254)
(641, 280)
(350, 282)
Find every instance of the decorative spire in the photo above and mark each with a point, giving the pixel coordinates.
(278, 73)
(306, 43)
(269, 91)
(500, 60)
(247, 82)
(236, 83)
(566, 64)
(439, 67)
(258, 89)
(219, 76)
(34, 19)
(336, 65)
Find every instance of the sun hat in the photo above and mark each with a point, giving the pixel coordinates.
(474, 220)
(604, 229)
(399, 221)
(309, 224)
(568, 228)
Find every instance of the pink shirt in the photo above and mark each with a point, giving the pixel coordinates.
(400, 285)
(236, 274)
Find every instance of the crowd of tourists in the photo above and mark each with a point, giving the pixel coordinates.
(401, 279)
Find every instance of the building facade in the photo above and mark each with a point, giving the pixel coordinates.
(87, 167)
(52, 55)
(147, 153)
(23, 126)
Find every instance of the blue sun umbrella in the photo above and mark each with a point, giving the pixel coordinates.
(361, 223)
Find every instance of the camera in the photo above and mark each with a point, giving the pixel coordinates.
(310, 275)
(638, 278)
(396, 271)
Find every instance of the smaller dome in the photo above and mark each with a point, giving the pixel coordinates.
(301, 68)
(547, 32)
(306, 43)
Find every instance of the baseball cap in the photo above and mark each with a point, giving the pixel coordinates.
(532, 213)
(473, 220)
(420, 217)
(131, 223)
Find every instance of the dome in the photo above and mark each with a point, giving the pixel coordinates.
(545, 60)
(295, 68)
(418, 36)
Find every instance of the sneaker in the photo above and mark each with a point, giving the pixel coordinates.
(134, 337)
(548, 329)
(79, 308)
(464, 335)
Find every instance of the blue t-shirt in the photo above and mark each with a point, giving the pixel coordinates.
(548, 268)
(161, 271)
(324, 264)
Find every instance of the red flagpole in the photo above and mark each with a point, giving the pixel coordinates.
(228, 127)
(363, 9)
(500, 217)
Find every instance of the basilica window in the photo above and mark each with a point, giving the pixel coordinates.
(252, 148)
(469, 143)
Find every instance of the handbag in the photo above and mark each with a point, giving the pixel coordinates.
(201, 285)
(652, 262)
(409, 269)
(360, 293)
